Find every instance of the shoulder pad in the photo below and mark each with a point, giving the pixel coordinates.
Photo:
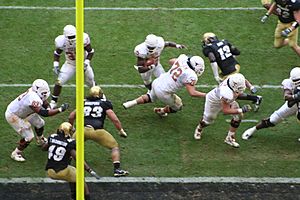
(60, 41)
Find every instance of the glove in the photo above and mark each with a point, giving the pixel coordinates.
(86, 64)
(264, 18)
(151, 66)
(253, 89)
(218, 79)
(296, 96)
(122, 133)
(56, 70)
(286, 32)
(63, 107)
(246, 108)
(180, 46)
(93, 173)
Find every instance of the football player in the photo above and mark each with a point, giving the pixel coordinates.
(291, 107)
(61, 147)
(286, 32)
(67, 43)
(223, 98)
(148, 57)
(221, 55)
(96, 108)
(183, 73)
(25, 112)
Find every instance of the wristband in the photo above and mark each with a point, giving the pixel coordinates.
(60, 109)
(240, 110)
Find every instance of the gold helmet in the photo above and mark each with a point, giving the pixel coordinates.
(96, 91)
(209, 37)
(65, 128)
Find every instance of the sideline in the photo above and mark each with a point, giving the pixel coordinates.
(125, 8)
(161, 180)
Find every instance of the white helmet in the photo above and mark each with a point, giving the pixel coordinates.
(151, 42)
(70, 32)
(197, 64)
(295, 76)
(41, 87)
(236, 82)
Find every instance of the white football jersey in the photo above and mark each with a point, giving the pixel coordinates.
(20, 106)
(287, 84)
(179, 75)
(61, 42)
(223, 92)
(142, 51)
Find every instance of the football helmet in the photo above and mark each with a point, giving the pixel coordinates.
(236, 82)
(295, 76)
(197, 64)
(41, 87)
(96, 91)
(70, 32)
(209, 37)
(151, 42)
(65, 128)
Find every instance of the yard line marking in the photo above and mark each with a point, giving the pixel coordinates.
(125, 8)
(162, 180)
(134, 86)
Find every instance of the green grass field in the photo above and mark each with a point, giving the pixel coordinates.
(154, 147)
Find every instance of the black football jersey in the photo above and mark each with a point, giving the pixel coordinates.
(95, 112)
(59, 151)
(224, 55)
(285, 12)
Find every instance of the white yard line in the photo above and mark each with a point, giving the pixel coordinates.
(132, 86)
(163, 180)
(124, 8)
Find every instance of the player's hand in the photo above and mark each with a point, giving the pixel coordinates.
(93, 173)
(218, 79)
(86, 64)
(180, 46)
(56, 70)
(264, 18)
(246, 108)
(253, 89)
(286, 32)
(63, 107)
(296, 96)
(122, 133)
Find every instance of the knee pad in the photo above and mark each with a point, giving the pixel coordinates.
(235, 123)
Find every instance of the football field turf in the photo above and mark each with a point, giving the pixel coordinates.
(154, 147)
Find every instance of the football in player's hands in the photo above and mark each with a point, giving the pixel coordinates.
(150, 61)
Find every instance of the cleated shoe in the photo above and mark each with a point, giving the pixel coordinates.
(248, 133)
(120, 172)
(53, 104)
(17, 156)
(257, 103)
(198, 132)
(231, 141)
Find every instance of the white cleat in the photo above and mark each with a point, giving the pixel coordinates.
(231, 141)
(198, 132)
(17, 156)
(53, 104)
(248, 133)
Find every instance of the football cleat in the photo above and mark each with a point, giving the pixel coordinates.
(40, 140)
(53, 104)
(17, 156)
(198, 132)
(129, 104)
(257, 103)
(160, 112)
(231, 141)
(120, 172)
(248, 133)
